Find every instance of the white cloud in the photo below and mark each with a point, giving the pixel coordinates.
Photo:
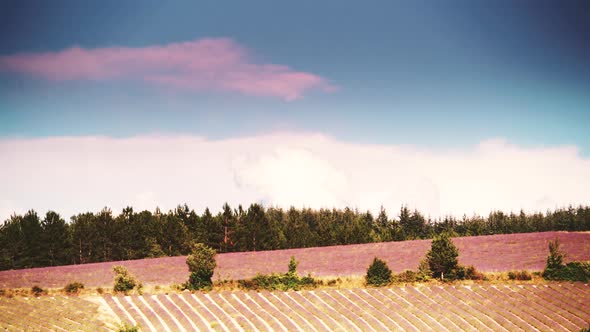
(78, 174)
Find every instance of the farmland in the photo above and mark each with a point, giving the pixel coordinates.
(552, 307)
(487, 253)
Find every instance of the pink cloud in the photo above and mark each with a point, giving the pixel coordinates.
(206, 64)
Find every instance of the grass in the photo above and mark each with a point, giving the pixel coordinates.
(324, 282)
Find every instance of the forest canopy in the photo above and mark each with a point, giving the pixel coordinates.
(31, 240)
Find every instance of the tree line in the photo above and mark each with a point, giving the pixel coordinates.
(32, 241)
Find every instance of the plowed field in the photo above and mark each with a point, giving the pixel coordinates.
(552, 307)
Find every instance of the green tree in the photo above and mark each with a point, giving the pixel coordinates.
(201, 263)
(12, 243)
(31, 236)
(378, 273)
(55, 242)
(442, 256)
(382, 227)
(554, 261)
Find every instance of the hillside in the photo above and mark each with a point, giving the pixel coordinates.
(486, 253)
(553, 307)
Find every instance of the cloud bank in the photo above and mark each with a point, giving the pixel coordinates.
(78, 174)
(206, 64)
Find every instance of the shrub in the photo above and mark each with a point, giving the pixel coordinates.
(378, 273)
(293, 266)
(37, 291)
(574, 271)
(283, 282)
(442, 257)
(424, 272)
(556, 270)
(73, 287)
(520, 275)
(124, 281)
(405, 276)
(201, 263)
(556, 256)
(128, 328)
(465, 273)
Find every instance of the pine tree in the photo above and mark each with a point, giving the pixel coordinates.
(442, 256)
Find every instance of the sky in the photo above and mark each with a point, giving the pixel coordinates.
(455, 107)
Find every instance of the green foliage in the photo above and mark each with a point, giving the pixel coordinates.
(573, 271)
(465, 273)
(73, 287)
(586, 329)
(556, 256)
(520, 275)
(556, 270)
(31, 241)
(424, 272)
(128, 328)
(201, 263)
(283, 282)
(405, 276)
(442, 257)
(293, 266)
(378, 273)
(37, 291)
(125, 281)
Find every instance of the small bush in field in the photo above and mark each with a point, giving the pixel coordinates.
(424, 272)
(469, 273)
(378, 273)
(287, 281)
(293, 266)
(556, 270)
(37, 291)
(520, 275)
(73, 287)
(406, 276)
(128, 328)
(124, 281)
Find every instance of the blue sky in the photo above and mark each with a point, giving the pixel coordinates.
(433, 76)
(414, 72)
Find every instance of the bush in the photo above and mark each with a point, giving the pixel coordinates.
(520, 275)
(442, 257)
(424, 272)
(128, 328)
(378, 273)
(73, 287)
(406, 276)
(293, 266)
(201, 263)
(124, 281)
(555, 258)
(37, 291)
(465, 273)
(556, 270)
(574, 271)
(283, 282)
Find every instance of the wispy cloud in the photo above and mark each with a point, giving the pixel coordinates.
(75, 174)
(206, 64)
